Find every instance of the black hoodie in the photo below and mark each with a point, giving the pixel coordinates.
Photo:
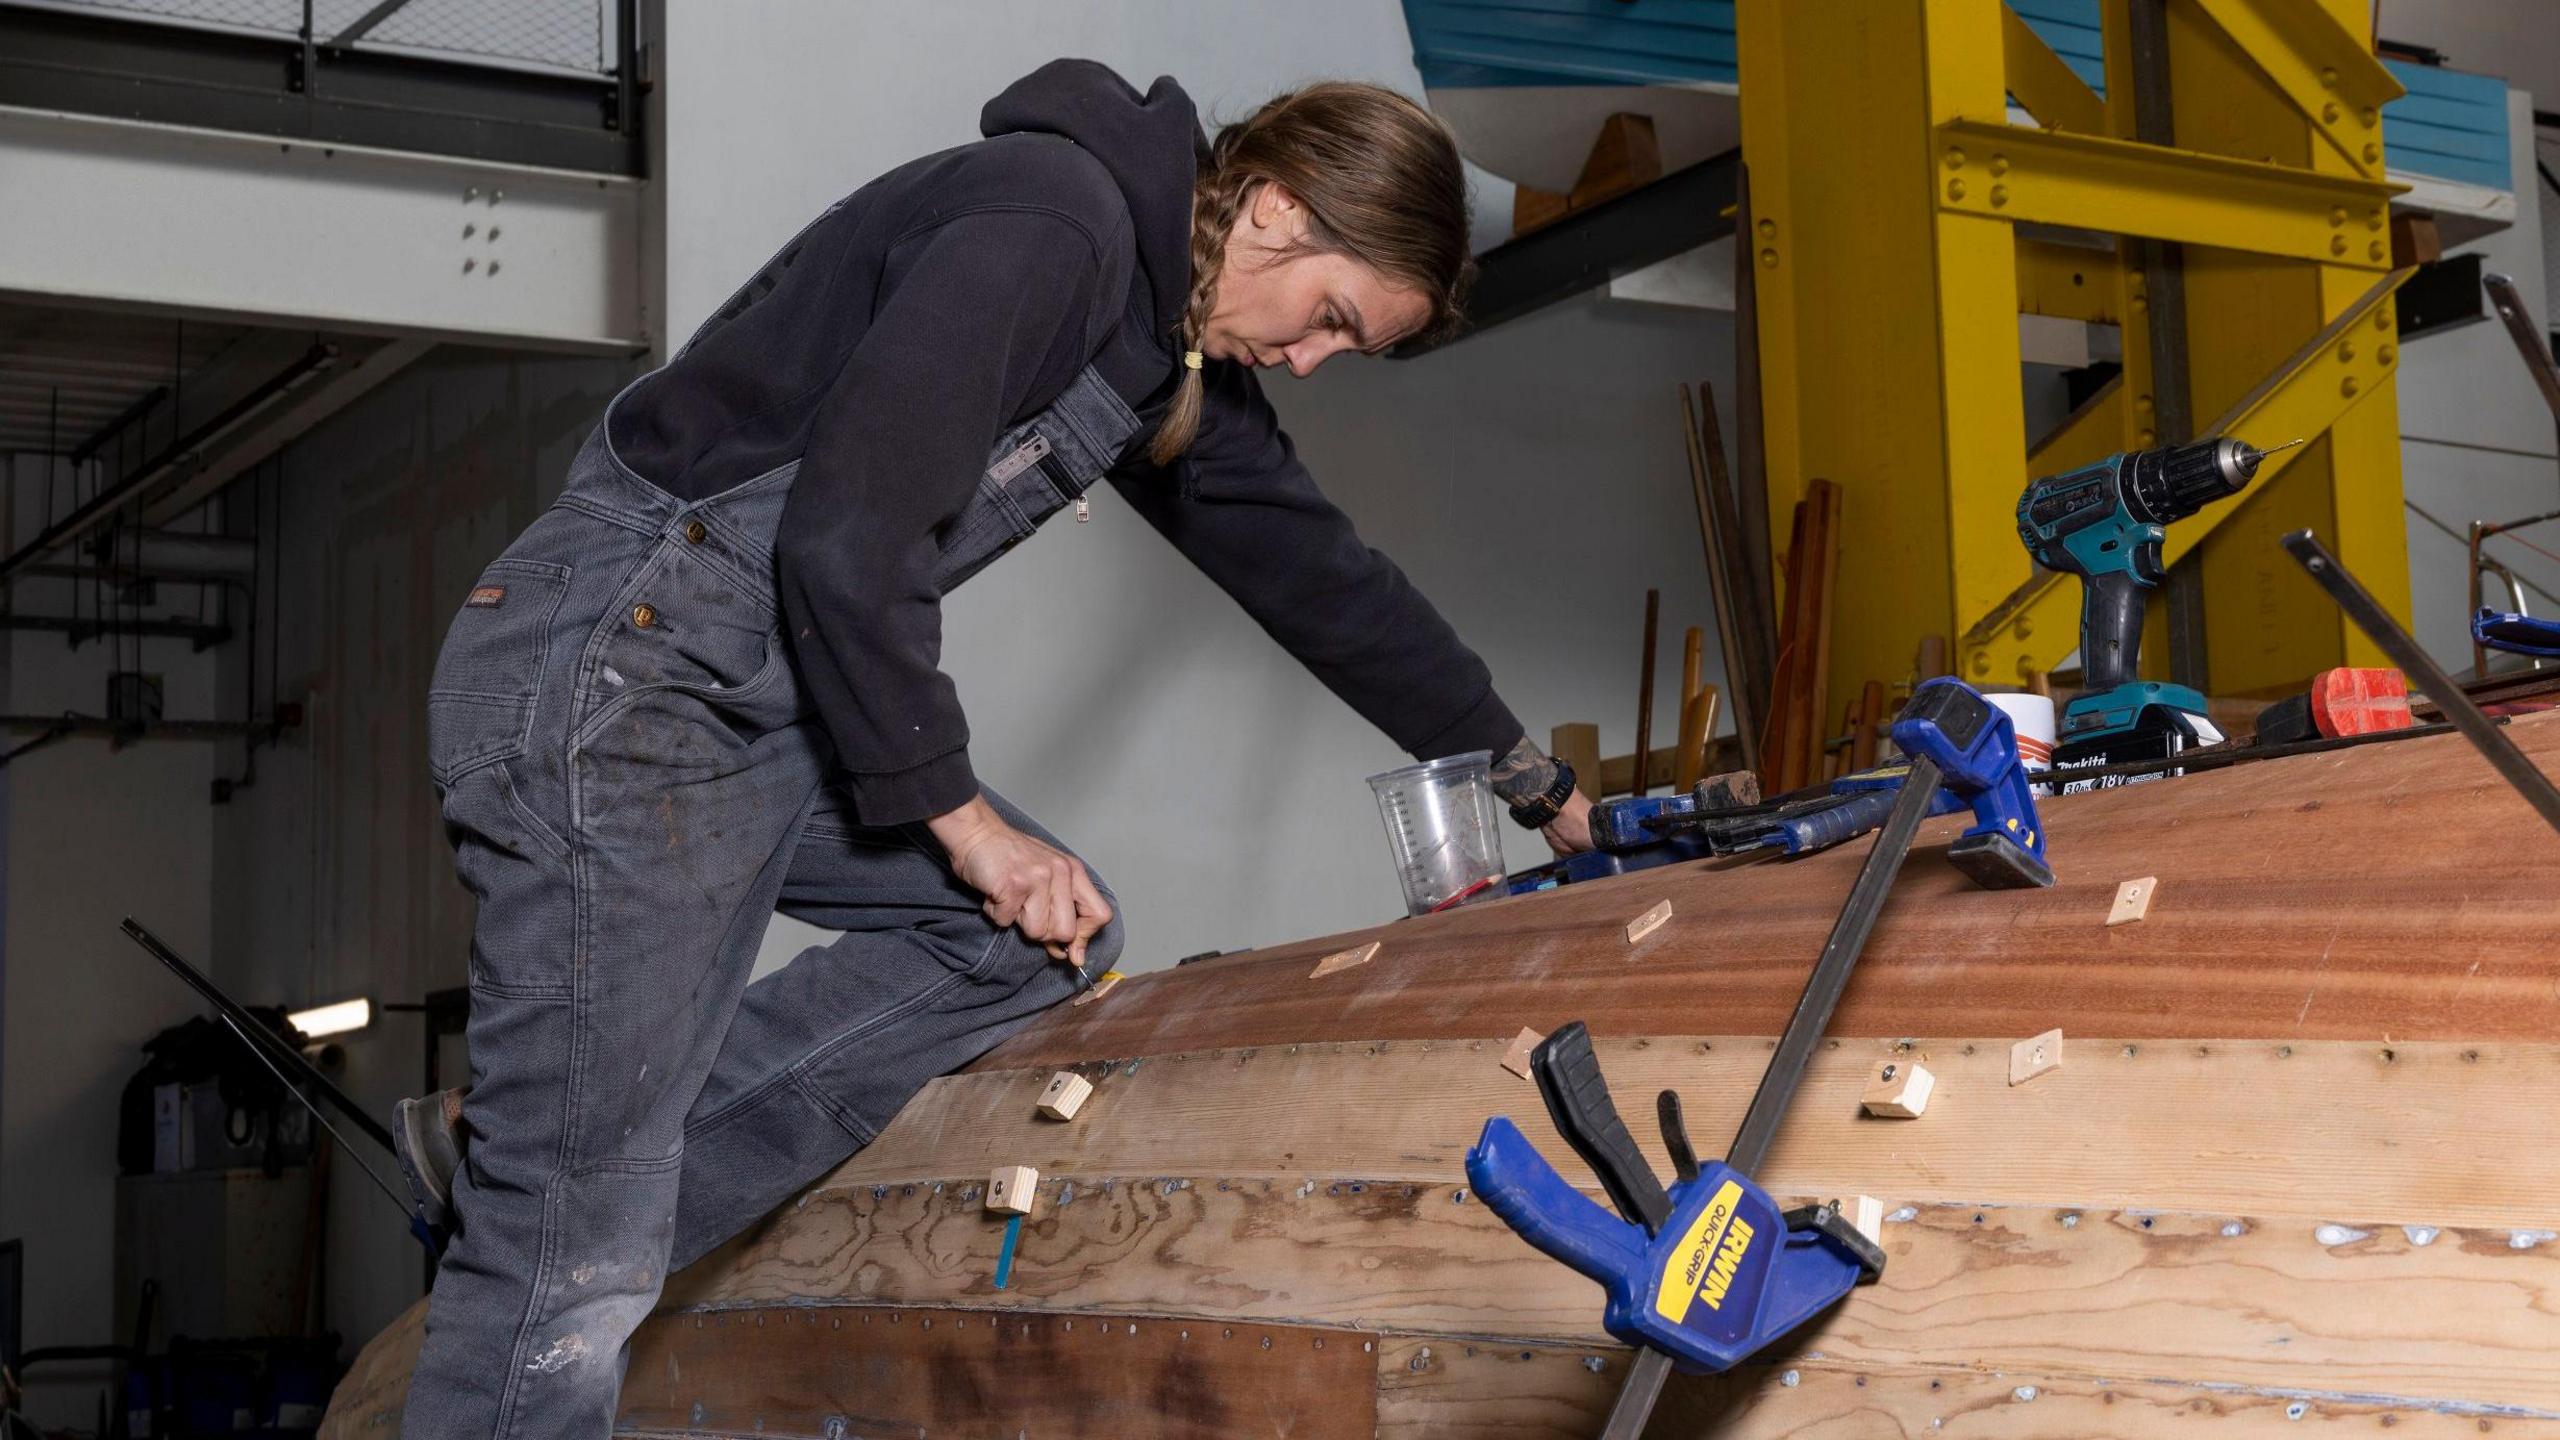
(886, 347)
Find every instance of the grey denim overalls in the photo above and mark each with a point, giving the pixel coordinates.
(634, 783)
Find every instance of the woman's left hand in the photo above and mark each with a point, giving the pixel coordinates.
(1570, 832)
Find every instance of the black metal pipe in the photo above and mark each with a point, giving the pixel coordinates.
(132, 415)
(112, 498)
(256, 1033)
(2414, 661)
(153, 730)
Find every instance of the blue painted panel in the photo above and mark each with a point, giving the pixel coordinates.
(2449, 114)
(2451, 126)
(1572, 42)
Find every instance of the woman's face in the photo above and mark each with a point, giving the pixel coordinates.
(1281, 302)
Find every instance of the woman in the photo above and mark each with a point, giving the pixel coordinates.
(705, 685)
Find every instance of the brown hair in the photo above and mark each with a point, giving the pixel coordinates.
(1381, 182)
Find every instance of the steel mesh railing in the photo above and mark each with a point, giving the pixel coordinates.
(572, 35)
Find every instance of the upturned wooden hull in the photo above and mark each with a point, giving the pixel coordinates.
(2301, 1163)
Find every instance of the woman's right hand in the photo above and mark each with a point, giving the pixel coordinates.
(1037, 888)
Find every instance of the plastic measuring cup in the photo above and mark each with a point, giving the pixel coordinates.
(1445, 829)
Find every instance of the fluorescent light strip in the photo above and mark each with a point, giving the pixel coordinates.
(335, 1019)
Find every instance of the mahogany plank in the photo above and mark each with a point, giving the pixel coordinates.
(2397, 889)
(833, 1372)
(1436, 1389)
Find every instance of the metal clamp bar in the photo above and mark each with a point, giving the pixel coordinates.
(1831, 972)
(2529, 342)
(2414, 661)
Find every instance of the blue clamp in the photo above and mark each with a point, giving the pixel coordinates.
(1708, 1271)
(1975, 745)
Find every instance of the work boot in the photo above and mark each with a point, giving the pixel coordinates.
(427, 1135)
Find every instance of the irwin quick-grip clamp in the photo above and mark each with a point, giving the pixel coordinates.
(1710, 1271)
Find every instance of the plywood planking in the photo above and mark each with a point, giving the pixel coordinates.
(2438, 1134)
(844, 1371)
(2287, 1301)
(2399, 889)
(368, 1399)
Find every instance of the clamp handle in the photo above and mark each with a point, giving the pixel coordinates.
(1510, 1176)
(1577, 1097)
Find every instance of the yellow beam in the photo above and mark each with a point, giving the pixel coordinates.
(2324, 381)
(2094, 182)
(1874, 297)
(2321, 66)
(2072, 282)
(2039, 80)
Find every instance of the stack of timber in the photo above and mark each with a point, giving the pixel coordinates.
(2301, 1163)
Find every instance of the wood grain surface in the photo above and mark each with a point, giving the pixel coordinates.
(2398, 889)
(2442, 1315)
(847, 1371)
(2437, 1133)
(1435, 1389)
(2300, 1167)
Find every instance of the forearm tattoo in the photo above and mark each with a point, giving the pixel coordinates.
(1524, 774)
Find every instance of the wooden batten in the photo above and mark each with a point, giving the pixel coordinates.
(2434, 1133)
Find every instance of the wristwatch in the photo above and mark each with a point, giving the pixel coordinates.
(1535, 813)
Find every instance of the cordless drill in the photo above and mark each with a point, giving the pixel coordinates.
(2104, 523)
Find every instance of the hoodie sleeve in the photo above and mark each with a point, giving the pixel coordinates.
(988, 314)
(1242, 508)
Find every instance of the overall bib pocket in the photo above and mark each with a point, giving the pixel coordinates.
(480, 704)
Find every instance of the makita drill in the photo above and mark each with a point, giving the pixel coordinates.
(2104, 523)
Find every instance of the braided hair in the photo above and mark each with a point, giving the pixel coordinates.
(1380, 181)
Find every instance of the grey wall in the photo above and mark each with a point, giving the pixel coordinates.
(1532, 480)
(325, 877)
(2477, 441)
(93, 834)
(330, 875)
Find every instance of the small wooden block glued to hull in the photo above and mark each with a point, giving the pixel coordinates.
(1516, 1059)
(1866, 1213)
(1648, 922)
(1012, 1189)
(1066, 1095)
(1901, 1091)
(1344, 960)
(2031, 1058)
(2133, 900)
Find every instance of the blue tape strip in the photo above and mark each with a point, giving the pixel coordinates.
(1004, 1262)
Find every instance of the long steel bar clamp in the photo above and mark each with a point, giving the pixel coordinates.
(2421, 668)
(1709, 1272)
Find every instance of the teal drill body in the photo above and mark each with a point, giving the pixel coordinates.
(2104, 523)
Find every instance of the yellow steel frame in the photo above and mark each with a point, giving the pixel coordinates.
(2094, 182)
(1889, 272)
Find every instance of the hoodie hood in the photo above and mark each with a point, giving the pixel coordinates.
(1150, 143)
